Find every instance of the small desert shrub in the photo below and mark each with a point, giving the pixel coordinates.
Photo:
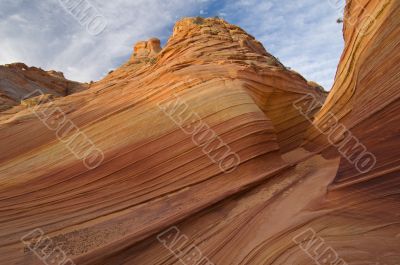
(214, 32)
(30, 102)
(271, 61)
(198, 21)
(153, 60)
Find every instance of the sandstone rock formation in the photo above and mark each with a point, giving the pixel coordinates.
(208, 160)
(146, 50)
(365, 96)
(18, 81)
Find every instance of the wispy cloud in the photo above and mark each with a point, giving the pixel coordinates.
(303, 34)
(42, 33)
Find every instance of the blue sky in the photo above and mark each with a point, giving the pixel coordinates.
(303, 34)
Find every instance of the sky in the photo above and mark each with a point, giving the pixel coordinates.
(51, 34)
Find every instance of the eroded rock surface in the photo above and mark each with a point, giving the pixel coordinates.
(157, 123)
(19, 82)
(146, 50)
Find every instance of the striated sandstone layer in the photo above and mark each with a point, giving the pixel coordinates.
(163, 121)
(18, 82)
(360, 123)
(365, 98)
(153, 175)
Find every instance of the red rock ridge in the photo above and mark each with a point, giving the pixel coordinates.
(227, 79)
(18, 81)
(156, 120)
(365, 98)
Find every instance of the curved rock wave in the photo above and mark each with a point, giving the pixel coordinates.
(200, 153)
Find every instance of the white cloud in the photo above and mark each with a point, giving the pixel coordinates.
(42, 33)
(303, 34)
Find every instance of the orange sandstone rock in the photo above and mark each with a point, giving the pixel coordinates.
(18, 81)
(146, 49)
(164, 127)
